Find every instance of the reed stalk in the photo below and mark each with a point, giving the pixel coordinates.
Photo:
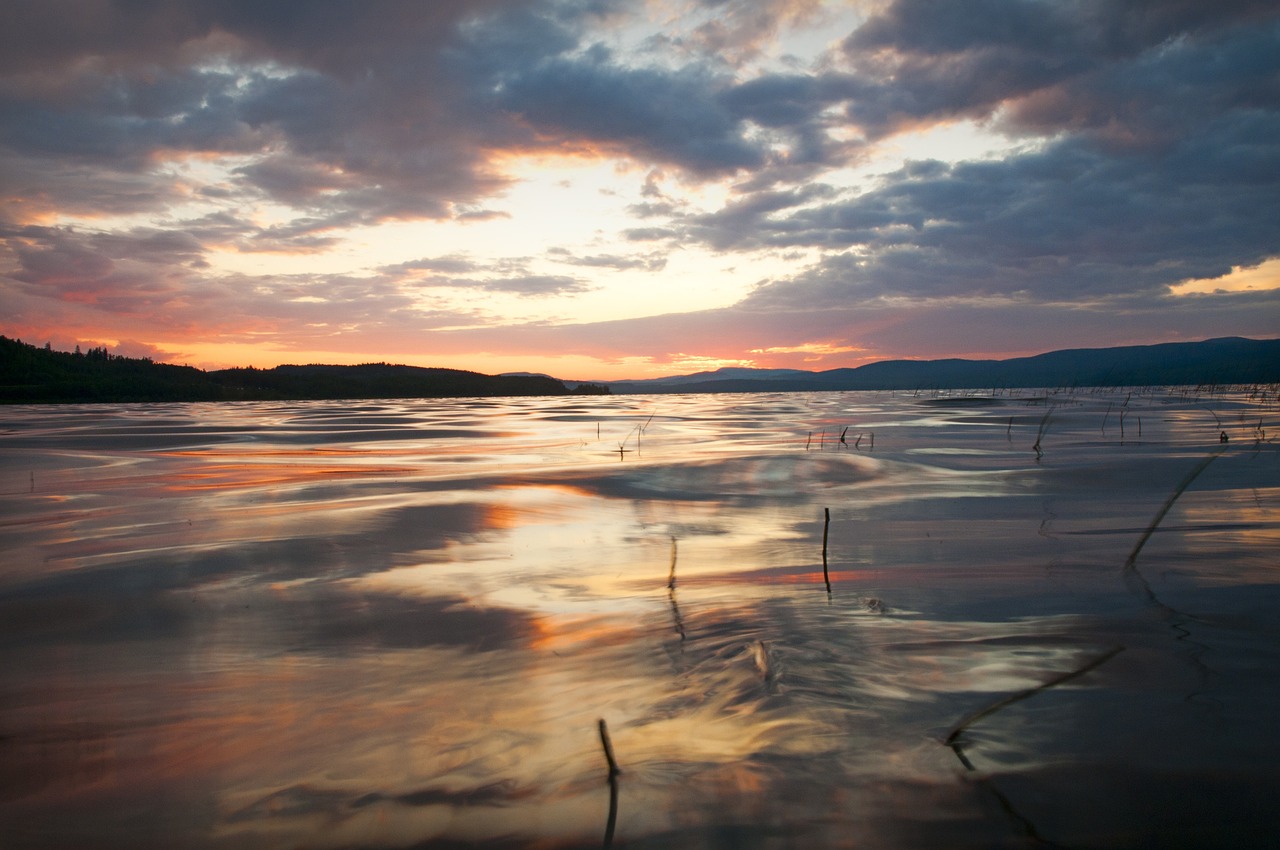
(605, 743)
(1200, 467)
(1044, 426)
(826, 527)
(953, 737)
(612, 822)
(671, 579)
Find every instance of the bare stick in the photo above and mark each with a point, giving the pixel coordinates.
(1164, 509)
(614, 770)
(826, 526)
(1004, 702)
(671, 580)
(1044, 426)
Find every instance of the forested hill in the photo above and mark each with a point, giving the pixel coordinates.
(31, 374)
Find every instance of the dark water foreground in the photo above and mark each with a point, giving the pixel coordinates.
(387, 625)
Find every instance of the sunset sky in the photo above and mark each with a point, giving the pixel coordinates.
(634, 188)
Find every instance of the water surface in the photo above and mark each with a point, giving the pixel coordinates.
(398, 624)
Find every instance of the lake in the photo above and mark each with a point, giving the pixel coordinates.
(888, 620)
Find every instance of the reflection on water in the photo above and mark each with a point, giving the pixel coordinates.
(398, 624)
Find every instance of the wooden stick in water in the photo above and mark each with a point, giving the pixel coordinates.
(671, 579)
(614, 770)
(826, 526)
(1129, 564)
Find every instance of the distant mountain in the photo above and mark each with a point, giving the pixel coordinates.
(30, 374)
(728, 373)
(1230, 360)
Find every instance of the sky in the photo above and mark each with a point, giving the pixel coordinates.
(603, 189)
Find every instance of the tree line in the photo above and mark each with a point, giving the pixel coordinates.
(30, 374)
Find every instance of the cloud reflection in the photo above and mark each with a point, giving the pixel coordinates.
(241, 639)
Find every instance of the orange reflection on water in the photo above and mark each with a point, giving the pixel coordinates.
(384, 643)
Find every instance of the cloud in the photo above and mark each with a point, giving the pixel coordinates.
(530, 285)
(650, 262)
(342, 108)
(138, 141)
(1160, 167)
(144, 279)
(935, 61)
(651, 114)
(511, 276)
(895, 328)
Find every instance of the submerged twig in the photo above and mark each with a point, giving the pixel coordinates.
(826, 526)
(952, 739)
(1044, 426)
(1164, 509)
(671, 593)
(671, 579)
(614, 770)
(612, 821)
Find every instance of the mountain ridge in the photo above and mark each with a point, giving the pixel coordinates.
(1222, 360)
(30, 374)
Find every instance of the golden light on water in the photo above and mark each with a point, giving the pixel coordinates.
(384, 623)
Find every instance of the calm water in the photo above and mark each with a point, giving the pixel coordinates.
(397, 624)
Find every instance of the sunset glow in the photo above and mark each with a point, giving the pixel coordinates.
(639, 189)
